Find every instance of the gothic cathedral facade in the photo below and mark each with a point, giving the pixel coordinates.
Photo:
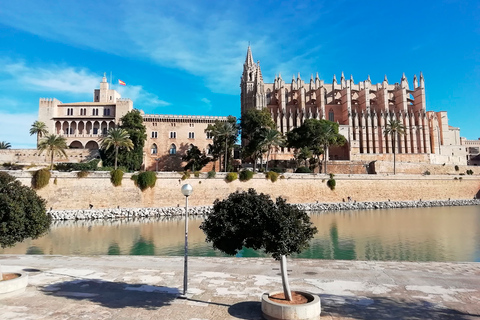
(362, 110)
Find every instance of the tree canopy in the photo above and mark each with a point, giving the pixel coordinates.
(255, 125)
(196, 159)
(132, 122)
(54, 146)
(248, 219)
(224, 137)
(22, 212)
(5, 145)
(117, 138)
(317, 135)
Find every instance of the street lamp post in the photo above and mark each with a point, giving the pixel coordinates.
(186, 191)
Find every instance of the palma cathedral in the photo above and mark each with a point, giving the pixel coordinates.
(362, 110)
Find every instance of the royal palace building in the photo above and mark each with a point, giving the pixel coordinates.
(362, 111)
(84, 124)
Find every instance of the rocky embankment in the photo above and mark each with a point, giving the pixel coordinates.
(93, 214)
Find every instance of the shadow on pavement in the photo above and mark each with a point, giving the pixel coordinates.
(251, 310)
(386, 308)
(114, 294)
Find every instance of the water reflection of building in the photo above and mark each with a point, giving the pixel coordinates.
(422, 234)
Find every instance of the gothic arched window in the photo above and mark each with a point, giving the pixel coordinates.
(331, 116)
(154, 149)
(286, 96)
(173, 149)
(269, 96)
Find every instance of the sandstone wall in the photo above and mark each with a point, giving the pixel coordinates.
(70, 192)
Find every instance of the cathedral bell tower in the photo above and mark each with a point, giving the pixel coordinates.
(252, 88)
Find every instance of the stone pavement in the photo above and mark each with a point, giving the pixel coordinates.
(147, 287)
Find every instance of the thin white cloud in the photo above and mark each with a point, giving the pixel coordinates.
(55, 78)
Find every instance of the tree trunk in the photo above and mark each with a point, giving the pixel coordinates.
(226, 151)
(51, 160)
(285, 284)
(393, 146)
(266, 164)
(116, 155)
(325, 157)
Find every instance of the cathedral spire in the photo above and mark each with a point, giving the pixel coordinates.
(249, 59)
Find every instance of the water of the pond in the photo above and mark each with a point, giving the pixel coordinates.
(420, 234)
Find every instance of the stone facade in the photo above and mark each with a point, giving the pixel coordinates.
(170, 136)
(362, 110)
(472, 147)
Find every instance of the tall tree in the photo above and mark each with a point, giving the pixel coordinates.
(272, 140)
(254, 125)
(315, 134)
(117, 138)
(248, 219)
(22, 213)
(224, 137)
(132, 160)
(394, 128)
(40, 129)
(5, 145)
(54, 145)
(196, 159)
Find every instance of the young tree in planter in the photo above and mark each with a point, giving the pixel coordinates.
(248, 219)
(22, 213)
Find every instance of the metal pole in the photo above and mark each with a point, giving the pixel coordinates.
(185, 266)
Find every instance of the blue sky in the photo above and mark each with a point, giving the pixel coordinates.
(186, 57)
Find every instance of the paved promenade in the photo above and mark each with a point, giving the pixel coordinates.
(146, 287)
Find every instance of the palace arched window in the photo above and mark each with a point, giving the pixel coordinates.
(286, 96)
(331, 116)
(154, 149)
(173, 149)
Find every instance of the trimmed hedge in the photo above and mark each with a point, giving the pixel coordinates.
(211, 174)
(245, 175)
(271, 175)
(231, 176)
(303, 170)
(146, 179)
(41, 178)
(116, 177)
(81, 166)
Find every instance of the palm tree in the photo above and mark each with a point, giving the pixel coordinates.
(117, 138)
(224, 133)
(272, 140)
(5, 145)
(329, 136)
(55, 145)
(394, 128)
(39, 128)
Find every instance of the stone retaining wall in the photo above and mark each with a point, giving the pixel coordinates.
(92, 214)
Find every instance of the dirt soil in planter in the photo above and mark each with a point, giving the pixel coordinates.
(297, 298)
(10, 276)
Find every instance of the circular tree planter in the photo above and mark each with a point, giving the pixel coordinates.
(14, 286)
(272, 310)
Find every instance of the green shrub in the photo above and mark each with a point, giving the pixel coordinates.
(146, 179)
(331, 183)
(456, 168)
(426, 173)
(185, 175)
(196, 174)
(116, 177)
(303, 170)
(469, 172)
(245, 175)
(41, 178)
(271, 175)
(82, 174)
(134, 178)
(211, 174)
(277, 170)
(231, 176)
(81, 166)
